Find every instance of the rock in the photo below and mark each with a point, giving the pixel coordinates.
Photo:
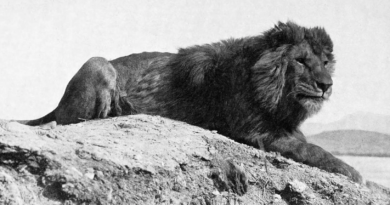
(49, 126)
(276, 197)
(297, 186)
(144, 159)
(16, 127)
(89, 175)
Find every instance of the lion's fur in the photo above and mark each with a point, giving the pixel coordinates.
(244, 88)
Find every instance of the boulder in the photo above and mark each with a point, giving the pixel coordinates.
(143, 159)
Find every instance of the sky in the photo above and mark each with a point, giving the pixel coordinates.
(43, 43)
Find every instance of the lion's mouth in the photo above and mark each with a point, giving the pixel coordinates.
(310, 96)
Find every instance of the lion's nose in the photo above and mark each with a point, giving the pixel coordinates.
(323, 80)
(324, 86)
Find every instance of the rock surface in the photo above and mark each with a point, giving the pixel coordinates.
(144, 159)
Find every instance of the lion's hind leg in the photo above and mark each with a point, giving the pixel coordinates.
(90, 93)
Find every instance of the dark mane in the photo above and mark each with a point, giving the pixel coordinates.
(214, 73)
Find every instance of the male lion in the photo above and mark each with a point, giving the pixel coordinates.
(256, 90)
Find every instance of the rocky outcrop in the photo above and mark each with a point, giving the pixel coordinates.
(144, 159)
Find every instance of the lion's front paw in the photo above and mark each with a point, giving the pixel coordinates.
(338, 166)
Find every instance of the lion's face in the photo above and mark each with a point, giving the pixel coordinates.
(309, 70)
(292, 77)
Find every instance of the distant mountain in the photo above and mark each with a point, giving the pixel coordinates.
(353, 142)
(357, 121)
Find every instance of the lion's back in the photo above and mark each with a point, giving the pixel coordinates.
(129, 67)
(133, 61)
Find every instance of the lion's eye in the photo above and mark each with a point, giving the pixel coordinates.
(300, 60)
(326, 63)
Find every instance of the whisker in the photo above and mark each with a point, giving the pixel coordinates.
(292, 93)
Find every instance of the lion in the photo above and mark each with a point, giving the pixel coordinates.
(256, 90)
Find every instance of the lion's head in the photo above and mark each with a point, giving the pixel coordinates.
(312, 76)
(294, 73)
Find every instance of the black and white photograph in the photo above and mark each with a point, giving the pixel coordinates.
(194, 102)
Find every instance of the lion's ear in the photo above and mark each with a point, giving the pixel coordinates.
(268, 76)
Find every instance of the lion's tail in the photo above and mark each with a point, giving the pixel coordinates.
(40, 121)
